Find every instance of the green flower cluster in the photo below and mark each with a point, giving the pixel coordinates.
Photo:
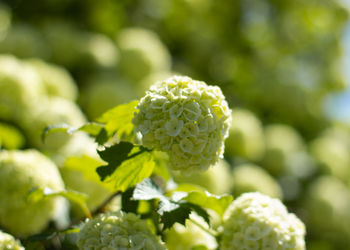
(8, 242)
(35, 94)
(118, 230)
(21, 88)
(256, 221)
(54, 110)
(252, 178)
(326, 206)
(21, 172)
(104, 91)
(331, 152)
(186, 118)
(141, 53)
(246, 136)
(282, 142)
(56, 80)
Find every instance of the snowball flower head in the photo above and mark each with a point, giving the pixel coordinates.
(21, 88)
(118, 230)
(8, 242)
(53, 110)
(141, 53)
(252, 178)
(327, 204)
(256, 221)
(282, 141)
(21, 172)
(186, 118)
(246, 136)
(56, 80)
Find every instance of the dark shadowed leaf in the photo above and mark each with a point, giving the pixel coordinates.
(102, 137)
(114, 156)
(179, 214)
(129, 204)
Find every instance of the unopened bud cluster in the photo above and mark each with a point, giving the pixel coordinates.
(256, 221)
(186, 118)
(118, 230)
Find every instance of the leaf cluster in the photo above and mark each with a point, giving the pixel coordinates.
(175, 207)
(139, 174)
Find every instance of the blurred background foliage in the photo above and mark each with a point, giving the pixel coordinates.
(277, 62)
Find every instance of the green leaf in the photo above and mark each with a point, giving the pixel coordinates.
(87, 165)
(198, 209)
(92, 128)
(73, 196)
(166, 205)
(118, 121)
(114, 155)
(128, 204)
(138, 166)
(70, 230)
(83, 164)
(178, 214)
(10, 137)
(39, 194)
(177, 203)
(210, 201)
(102, 137)
(43, 236)
(171, 209)
(186, 187)
(63, 127)
(147, 190)
(32, 244)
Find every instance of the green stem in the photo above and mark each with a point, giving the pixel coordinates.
(142, 149)
(207, 230)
